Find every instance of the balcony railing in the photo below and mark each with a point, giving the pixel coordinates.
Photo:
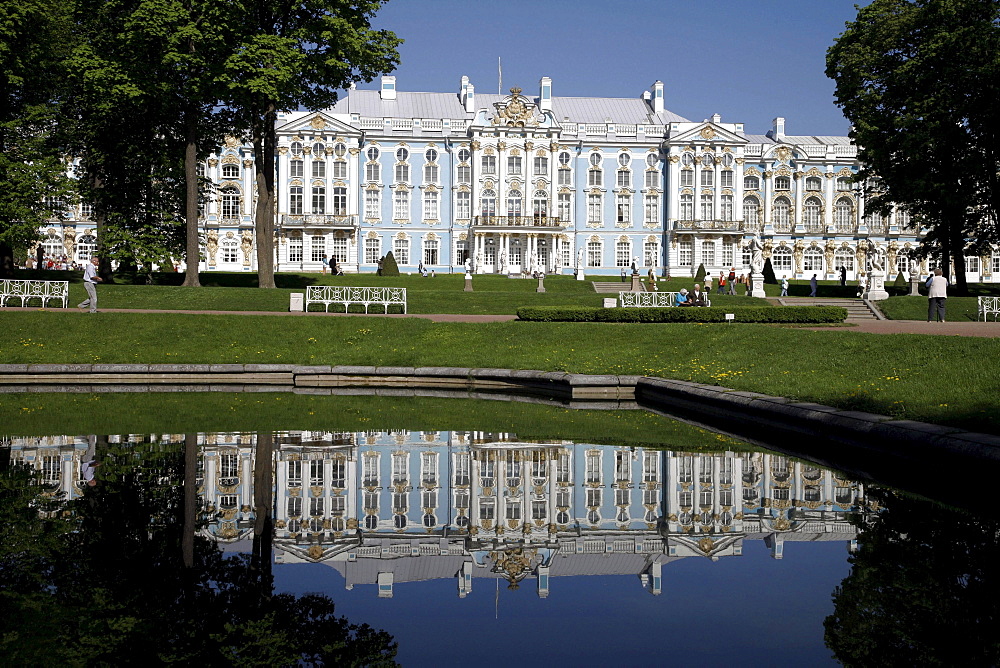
(723, 225)
(349, 220)
(520, 221)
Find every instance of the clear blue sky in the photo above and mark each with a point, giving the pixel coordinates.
(748, 61)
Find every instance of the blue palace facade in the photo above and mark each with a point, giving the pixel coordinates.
(529, 181)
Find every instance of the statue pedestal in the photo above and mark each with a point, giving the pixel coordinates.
(579, 273)
(468, 283)
(541, 284)
(914, 285)
(636, 283)
(757, 286)
(876, 288)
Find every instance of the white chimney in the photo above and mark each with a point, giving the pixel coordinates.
(658, 97)
(463, 88)
(470, 98)
(388, 90)
(716, 118)
(545, 94)
(778, 129)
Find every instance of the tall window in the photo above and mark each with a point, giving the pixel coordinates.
(623, 208)
(513, 164)
(489, 203)
(624, 179)
(565, 176)
(295, 200)
(295, 168)
(339, 201)
(431, 205)
(86, 246)
(401, 250)
(728, 254)
(623, 254)
(813, 214)
(687, 206)
(751, 213)
(373, 251)
(707, 177)
(843, 215)
(430, 173)
(651, 254)
(318, 248)
(652, 179)
(431, 247)
(514, 203)
(541, 165)
(464, 174)
(401, 205)
(318, 169)
(563, 207)
(318, 199)
(594, 254)
(726, 178)
(707, 206)
(843, 258)
(708, 253)
(230, 203)
(782, 209)
(651, 208)
(596, 176)
(594, 208)
(339, 169)
(402, 172)
(727, 207)
(229, 250)
(463, 205)
(373, 170)
(295, 247)
(489, 164)
(373, 204)
(687, 177)
(685, 253)
(540, 204)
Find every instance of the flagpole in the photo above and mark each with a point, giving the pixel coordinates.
(499, 77)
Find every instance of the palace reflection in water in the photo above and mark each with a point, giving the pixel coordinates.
(389, 507)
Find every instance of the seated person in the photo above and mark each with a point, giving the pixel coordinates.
(682, 298)
(696, 296)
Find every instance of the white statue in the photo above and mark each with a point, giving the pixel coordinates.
(579, 259)
(503, 262)
(479, 259)
(468, 265)
(876, 256)
(756, 254)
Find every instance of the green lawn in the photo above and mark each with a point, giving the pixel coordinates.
(915, 308)
(949, 380)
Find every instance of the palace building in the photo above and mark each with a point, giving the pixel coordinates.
(530, 181)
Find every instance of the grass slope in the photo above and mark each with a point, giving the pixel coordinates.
(948, 380)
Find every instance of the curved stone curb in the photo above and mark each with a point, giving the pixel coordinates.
(906, 438)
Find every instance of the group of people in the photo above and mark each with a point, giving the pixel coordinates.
(727, 283)
(52, 263)
(696, 297)
(333, 266)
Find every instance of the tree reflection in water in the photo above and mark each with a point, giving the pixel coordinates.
(923, 588)
(118, 576)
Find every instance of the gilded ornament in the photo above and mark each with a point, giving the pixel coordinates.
(707, 133)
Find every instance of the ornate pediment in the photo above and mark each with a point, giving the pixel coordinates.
(515, 111)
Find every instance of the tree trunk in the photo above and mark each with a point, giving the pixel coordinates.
(265, 140)
(192, 250)
(7, 264)
(263, 508)
(957, 247)
(190, 499)
(104, 267)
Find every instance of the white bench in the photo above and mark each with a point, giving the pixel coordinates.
(26, 290)
(988, 306)
(650, 299)
(346, 295)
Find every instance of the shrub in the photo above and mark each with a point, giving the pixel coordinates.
(769, 276)
(759, 314)
(900, 282)
(389, 266)
(699, 277)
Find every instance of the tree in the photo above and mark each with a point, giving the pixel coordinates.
(919, 79)
(768, 271)
(389, 266)
(297, 53)
(699, 275)
(33, 177)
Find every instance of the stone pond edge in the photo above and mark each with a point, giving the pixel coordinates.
(790, 416)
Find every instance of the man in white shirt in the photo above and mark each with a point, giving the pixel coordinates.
(90, 278)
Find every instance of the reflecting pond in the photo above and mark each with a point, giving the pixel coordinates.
(233, 547)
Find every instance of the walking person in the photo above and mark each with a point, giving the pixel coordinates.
(843, 276)
(722, 283)
(784, 286)
(937, 293)
(90, 278)
(812, 286)
(732, 281)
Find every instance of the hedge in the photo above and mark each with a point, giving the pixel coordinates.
(765, 314)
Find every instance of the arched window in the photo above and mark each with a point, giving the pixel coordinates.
(402, 172)
(751, 183)
(594, 208)
(401, 204)
(564, 159)
(844, 257)
(843, 183)
(86, 246)
(781, 259)
(813, 214)
(230, 203)
(340, 169)
(53, 245)
(812, 259)
(514, 201)
(782, 208)
(843, 215)
(540, 204)
(489, 203)
(318, 168)
(813, 183)
(782, 183)
(230, 171)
